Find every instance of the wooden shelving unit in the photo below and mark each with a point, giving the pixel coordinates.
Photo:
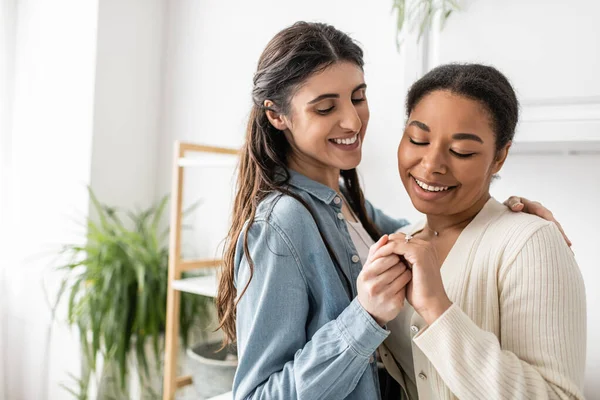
(187, 155)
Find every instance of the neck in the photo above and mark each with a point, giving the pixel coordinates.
(446, 223)
(328, 176)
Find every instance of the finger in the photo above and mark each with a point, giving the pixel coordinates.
(562, 231)
(517, 207)
(402, 293)
(391, 274)
(379, 266)
(376, 246)
(391, 281)
(536, 208)
(402, 247)
(384, 251)
(400, 282)
(515, 203)
(401, 296)
(533, 207)
(397, 236)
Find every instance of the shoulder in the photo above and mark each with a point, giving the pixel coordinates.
(289, 218)
(284, 211)
(515, 229)
(526, 237)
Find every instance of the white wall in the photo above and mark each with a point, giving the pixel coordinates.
(50, 144)
(7, 49)
(127, 101)
(87, 108)
(213, 46)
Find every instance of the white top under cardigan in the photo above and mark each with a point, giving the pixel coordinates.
(360, 238)
(517, 328)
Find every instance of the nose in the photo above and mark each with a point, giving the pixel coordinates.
(350, 120)
(434, 160)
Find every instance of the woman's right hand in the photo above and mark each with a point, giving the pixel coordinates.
(382, 283)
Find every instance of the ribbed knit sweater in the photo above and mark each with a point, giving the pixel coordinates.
(517, 326)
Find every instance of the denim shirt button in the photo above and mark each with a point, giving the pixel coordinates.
(355, 258)
(371, 360)
(340, 216)
(337, 200)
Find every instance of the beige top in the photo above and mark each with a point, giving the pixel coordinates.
(361, 239)
(517, 328)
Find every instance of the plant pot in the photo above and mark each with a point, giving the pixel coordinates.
(138, 385)
(212, 369)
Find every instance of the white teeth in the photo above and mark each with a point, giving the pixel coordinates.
(425, 186)
(346, 141)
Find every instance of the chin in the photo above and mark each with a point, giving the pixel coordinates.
(428, 207)
(424, 207)
(349, 164)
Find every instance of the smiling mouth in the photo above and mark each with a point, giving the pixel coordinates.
(430, 188)
(346, 141)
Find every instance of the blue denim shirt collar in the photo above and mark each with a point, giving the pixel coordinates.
(316, 189)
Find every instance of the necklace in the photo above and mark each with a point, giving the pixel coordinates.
(435, 233)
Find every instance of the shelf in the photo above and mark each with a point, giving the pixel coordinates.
(561, 126)
(533, 147)
(209, 160)
(224, 396)
(202, 285)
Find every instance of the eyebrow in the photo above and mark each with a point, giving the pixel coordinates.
(456, 136)
(334, 95)
(467, 136)
(420, 125)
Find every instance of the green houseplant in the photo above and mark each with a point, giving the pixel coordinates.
(116, 288)
(420, 14)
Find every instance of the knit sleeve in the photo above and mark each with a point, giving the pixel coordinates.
(541, 350)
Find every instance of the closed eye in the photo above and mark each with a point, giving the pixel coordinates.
(326, 110)
(462, 155)
(418, 143)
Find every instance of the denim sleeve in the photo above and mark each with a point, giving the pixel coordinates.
(386, 224)
(276, 358)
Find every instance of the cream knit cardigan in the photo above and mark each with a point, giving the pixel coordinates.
(517, 328)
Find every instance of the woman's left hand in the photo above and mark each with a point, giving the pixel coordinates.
(426, 291)
(518, 204)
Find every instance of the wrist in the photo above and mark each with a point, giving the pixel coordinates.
(435, 309)
(377, 320)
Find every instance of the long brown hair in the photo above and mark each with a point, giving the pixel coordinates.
(292, 56)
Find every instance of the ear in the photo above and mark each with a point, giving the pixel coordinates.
(277, 120)
(501, 158)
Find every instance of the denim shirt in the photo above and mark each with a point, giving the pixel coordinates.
(299, 334)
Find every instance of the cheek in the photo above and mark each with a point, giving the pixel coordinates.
(311, 130)
(364, 114)
(406, 157)
(473, 175)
